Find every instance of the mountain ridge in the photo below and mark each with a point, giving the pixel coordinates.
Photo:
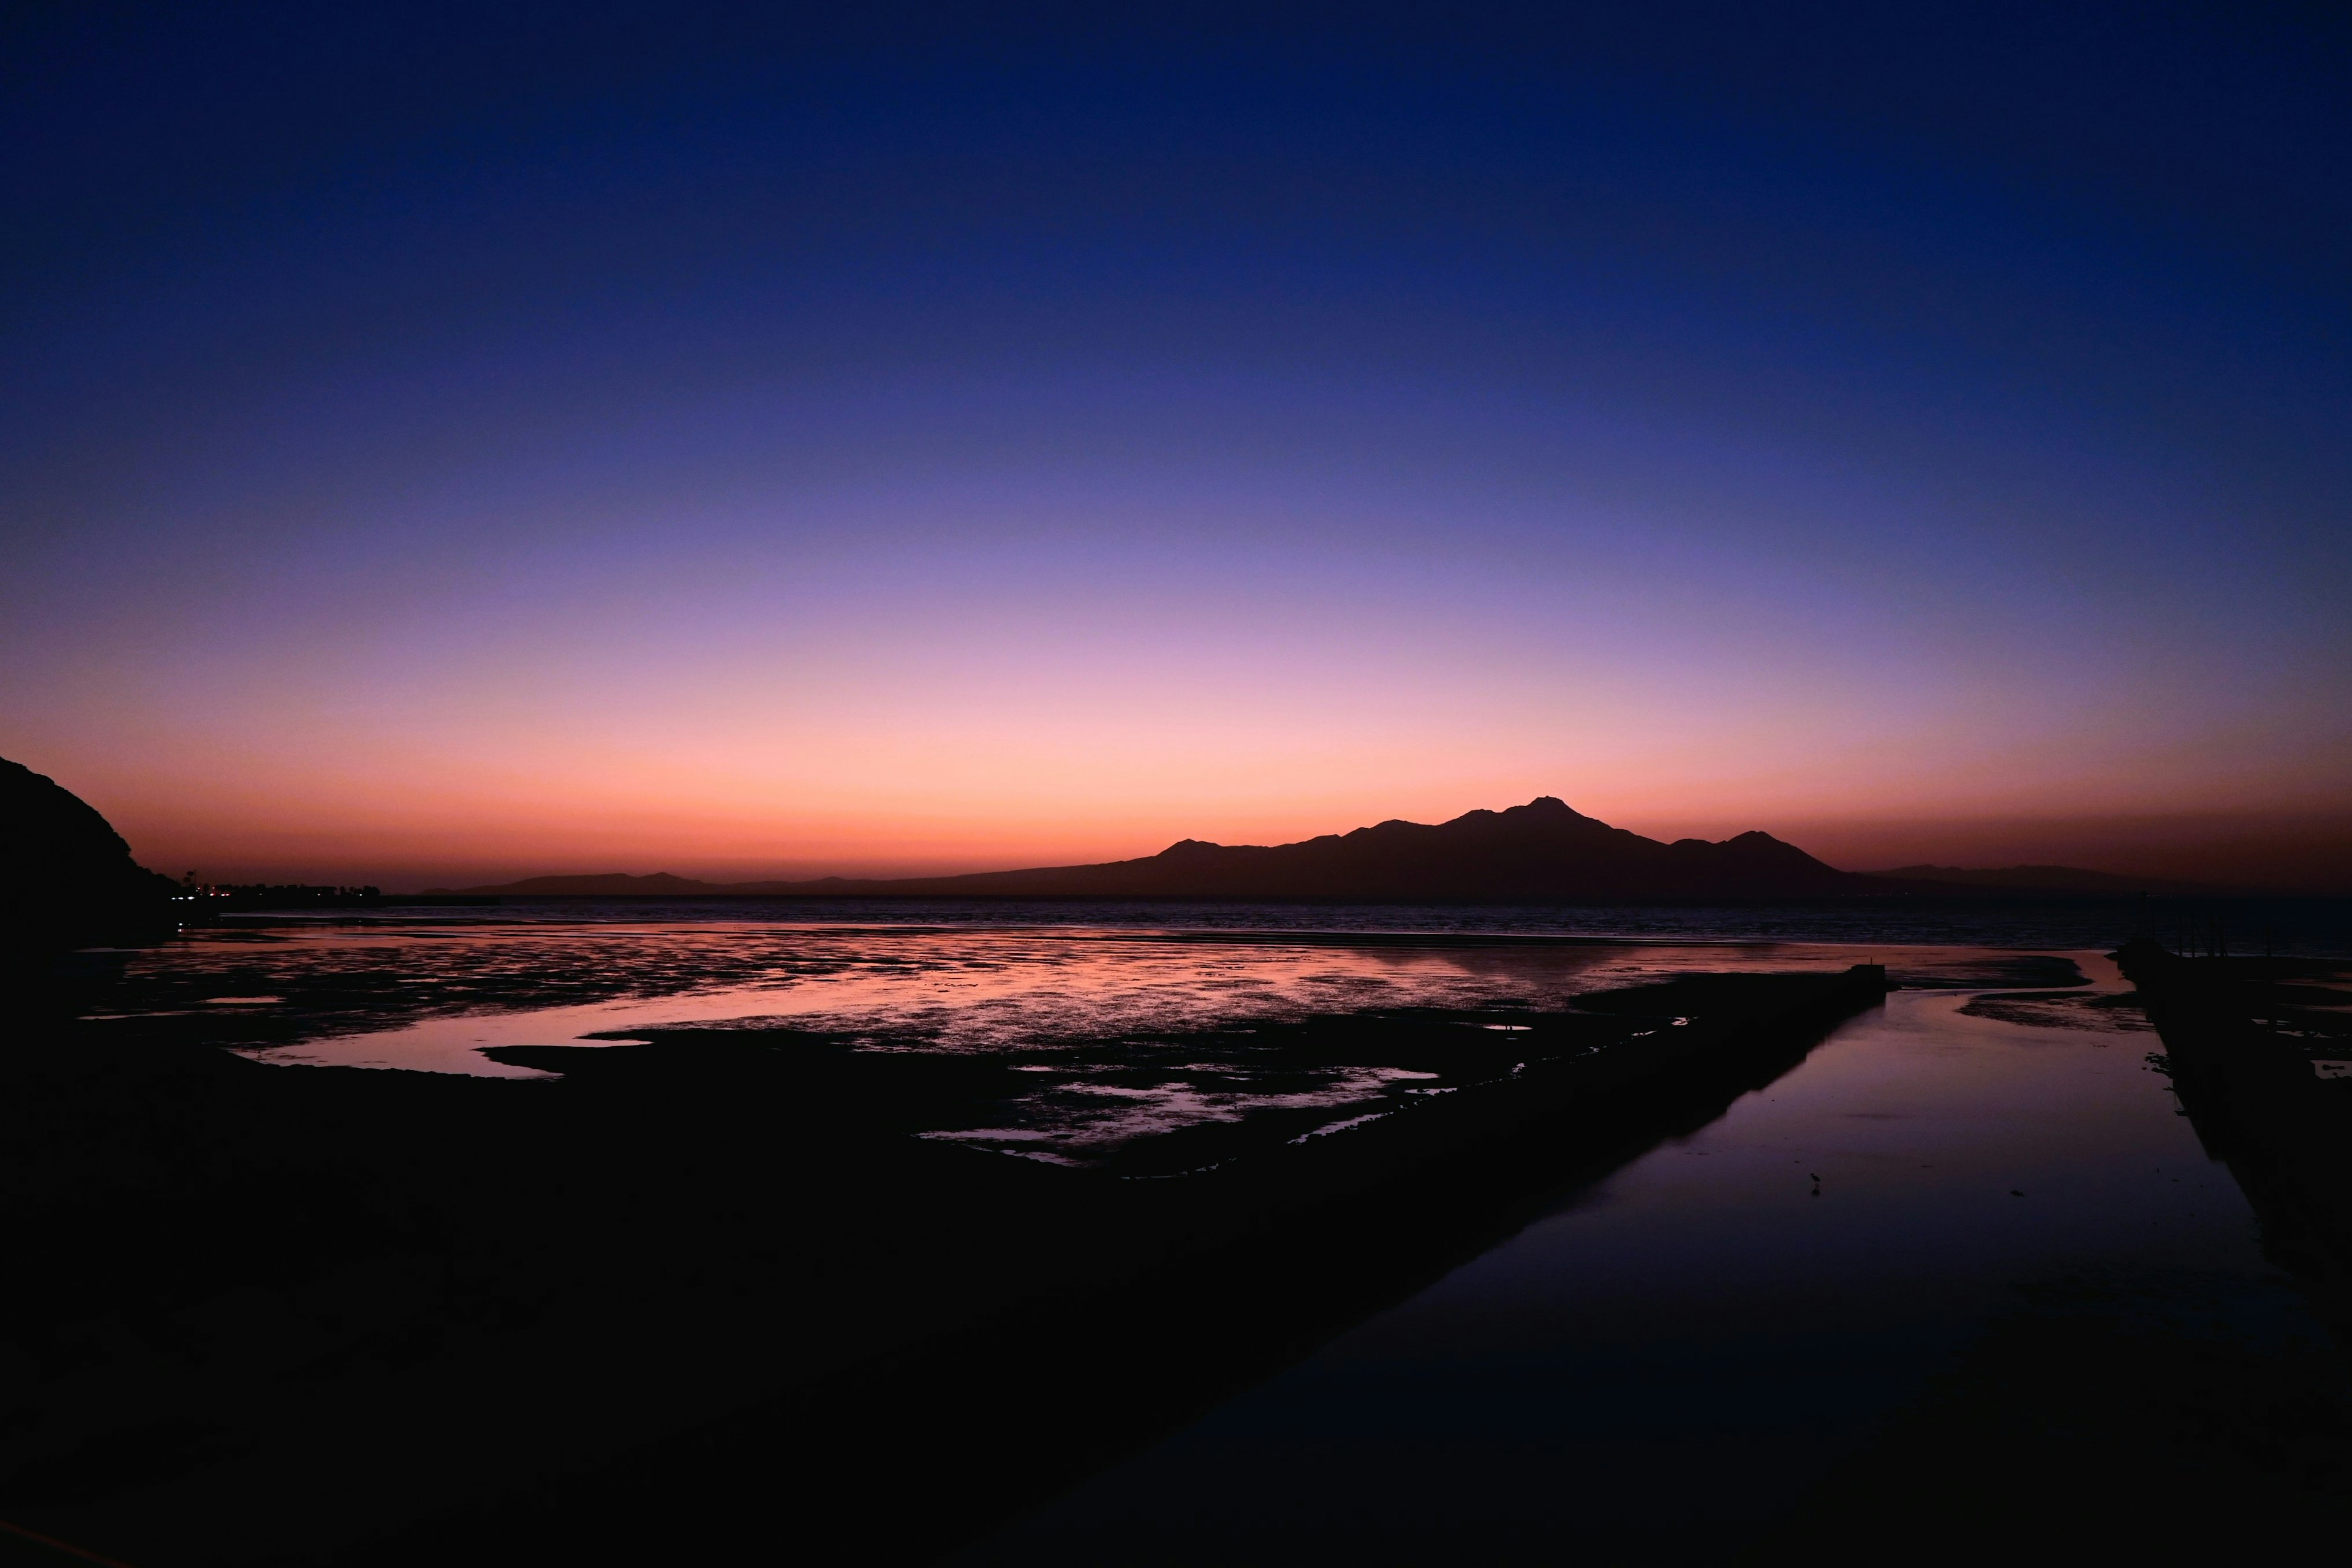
(1544, 849)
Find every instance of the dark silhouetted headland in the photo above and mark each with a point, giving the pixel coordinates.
(67, 879)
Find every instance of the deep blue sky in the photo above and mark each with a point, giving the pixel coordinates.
(543, 438)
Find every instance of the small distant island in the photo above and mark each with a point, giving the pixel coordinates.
(1544, 850)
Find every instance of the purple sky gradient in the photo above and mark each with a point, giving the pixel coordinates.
(828, 455)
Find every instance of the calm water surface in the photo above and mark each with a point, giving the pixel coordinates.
(1664, 1362)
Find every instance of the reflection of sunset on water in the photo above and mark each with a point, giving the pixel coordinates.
(1126, 1033)
(463, 988)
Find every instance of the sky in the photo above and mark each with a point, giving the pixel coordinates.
(476, 440)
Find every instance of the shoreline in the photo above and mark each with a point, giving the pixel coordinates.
(1262, 1259)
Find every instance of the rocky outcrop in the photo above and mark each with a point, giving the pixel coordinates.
(67, 879)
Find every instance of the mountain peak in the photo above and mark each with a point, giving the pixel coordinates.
(1543, 808)
(1542, 851)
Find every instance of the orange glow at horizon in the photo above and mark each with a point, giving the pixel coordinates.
(884, 810)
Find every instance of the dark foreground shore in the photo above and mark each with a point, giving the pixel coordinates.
(2260, 1051)
(707, 1291)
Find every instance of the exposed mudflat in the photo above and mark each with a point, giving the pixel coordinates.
(298, 1310)
(685, 1225)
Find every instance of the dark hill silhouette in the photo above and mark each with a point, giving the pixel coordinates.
(67, 879)
(1542, 850)
(605, 884)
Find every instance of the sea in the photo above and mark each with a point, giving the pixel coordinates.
(1750, 1302)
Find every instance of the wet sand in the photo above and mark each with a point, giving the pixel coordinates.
(1122, 1034)
(769, 1277)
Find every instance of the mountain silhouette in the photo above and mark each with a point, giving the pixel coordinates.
(1542, 850)
(607, 884)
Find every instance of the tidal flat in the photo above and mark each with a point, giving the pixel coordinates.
(757, 1234)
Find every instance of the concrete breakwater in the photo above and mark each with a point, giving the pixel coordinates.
(322, 1314)
(2258, 1051)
